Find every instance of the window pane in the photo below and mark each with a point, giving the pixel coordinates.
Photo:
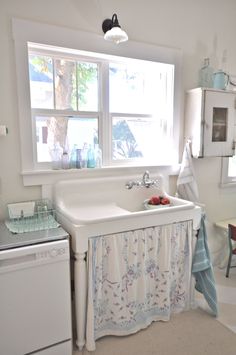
(41, 81)
(65, 84)
(64, 133)
(140, 138)
(140, 87)
(82, 131)
(219, 124)
(87, 74)
(232, 167)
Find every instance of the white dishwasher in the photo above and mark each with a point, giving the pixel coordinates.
(35, 296)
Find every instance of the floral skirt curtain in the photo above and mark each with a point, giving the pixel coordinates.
(137, 277)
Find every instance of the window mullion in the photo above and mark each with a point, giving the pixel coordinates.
(124, 114)
(77, 86)
(54, 84)
(34, 141)
(47, 112)
(106, 123)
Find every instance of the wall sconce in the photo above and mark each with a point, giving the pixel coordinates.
(112, 30)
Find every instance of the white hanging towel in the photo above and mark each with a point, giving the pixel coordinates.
(187, 188)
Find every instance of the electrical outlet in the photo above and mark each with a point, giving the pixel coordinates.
(3, 130)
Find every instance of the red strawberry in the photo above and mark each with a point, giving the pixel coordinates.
(165, 201)
(155, 200)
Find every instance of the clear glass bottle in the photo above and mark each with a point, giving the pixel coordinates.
(98, 156)
(78, 159)
(84, 156)
(73, 157)
(224, 61)
(206, 75)
(221, 77)
(65, 160)
(56, 155)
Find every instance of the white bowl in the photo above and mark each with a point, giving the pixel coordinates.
(148, 206)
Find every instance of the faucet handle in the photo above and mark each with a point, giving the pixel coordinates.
(157, 183)
(129, 185)
(146, 175)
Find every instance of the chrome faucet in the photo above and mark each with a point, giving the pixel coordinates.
(146, 179)
(145, 182)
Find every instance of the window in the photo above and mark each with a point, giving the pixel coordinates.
(64, 103)
(228, 173)
(75, 89)
(73, 97)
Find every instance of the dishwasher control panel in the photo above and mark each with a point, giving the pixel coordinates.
(58, 250)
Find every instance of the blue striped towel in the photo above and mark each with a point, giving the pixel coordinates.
(202, 269)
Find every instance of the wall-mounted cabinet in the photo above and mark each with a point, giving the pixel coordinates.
(210, 121)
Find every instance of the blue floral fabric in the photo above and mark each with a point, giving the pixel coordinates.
(137, 277)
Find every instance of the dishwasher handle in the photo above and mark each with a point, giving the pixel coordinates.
(34, 255)
(19, 260)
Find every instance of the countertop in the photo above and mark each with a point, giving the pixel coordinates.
(10, 240)
(224, 223)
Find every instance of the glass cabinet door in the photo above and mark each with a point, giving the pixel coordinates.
(218, 123)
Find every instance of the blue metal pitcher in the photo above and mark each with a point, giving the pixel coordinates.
(220, 80)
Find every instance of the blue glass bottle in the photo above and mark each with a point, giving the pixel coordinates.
(91, 158)
(73, 157)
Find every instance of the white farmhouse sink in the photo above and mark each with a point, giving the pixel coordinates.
(91, 207)
(100, 200)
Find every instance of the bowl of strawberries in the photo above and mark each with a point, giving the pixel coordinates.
(155, 202)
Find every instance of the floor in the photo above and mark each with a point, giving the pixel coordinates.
(226, 294)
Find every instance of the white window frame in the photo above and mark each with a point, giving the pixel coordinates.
(226, 180)
(103, 114)
(26, 31)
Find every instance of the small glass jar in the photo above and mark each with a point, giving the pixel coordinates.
(65, 161)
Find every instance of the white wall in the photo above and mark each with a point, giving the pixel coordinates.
(200, 28)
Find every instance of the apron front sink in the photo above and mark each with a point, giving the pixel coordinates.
(89, 202)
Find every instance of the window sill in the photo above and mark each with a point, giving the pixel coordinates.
(228, 185)
(49, 177)
(226, 181)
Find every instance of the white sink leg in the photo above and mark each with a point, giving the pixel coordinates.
(80, 297)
